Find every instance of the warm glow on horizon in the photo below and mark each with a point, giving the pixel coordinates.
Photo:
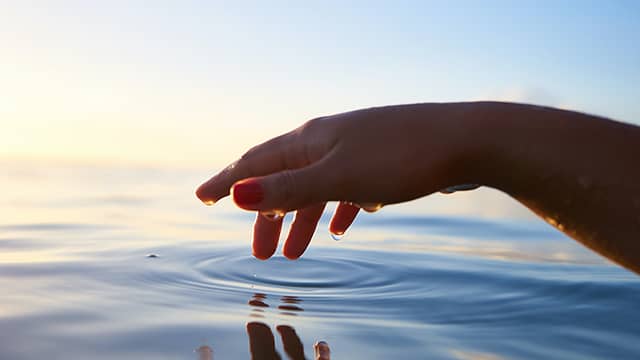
(200, 83)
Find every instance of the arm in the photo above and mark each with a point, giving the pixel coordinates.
(580, 173)
(577, 171)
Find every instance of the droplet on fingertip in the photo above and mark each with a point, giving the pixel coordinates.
(273, 215)
(209, 202)
(337, 236)
(371, 207)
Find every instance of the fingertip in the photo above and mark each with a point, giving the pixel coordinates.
(262, 257)
(291, 255)
(298, 241)
(201, 193)
(336, 229)
(262, 251)
(343, 217)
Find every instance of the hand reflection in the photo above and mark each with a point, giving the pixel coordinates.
(205, 353)
(262, 343)
(261, 340)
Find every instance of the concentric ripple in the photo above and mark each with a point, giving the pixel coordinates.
(414, 288)
(321, 275)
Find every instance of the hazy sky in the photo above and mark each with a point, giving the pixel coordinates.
(184, 82)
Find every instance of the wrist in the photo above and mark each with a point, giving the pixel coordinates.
(501, 137)
(476, 155)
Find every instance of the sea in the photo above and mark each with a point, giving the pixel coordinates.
(112, 261)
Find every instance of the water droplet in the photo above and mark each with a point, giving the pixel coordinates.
(371, 207)
(209, 202)
(273, 215)
(152, 256)
(337, 236)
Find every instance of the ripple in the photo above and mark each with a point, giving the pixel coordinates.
(414, 288)
(319, 275)
(314, 277)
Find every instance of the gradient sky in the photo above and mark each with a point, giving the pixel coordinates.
(191, 82)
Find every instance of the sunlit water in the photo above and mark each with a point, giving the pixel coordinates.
(124, 263)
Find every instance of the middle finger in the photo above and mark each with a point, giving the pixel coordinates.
(266, 233)
(302, 229)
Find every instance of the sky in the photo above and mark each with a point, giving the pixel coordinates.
(195, 83)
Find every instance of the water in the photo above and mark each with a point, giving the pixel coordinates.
(274, 215)
(444, 278)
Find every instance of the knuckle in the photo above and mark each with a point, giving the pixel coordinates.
(291, 193)
(287, 186)
(313, 140)
(310, 125)
(244, 165)
(248, 154)
(310, 130)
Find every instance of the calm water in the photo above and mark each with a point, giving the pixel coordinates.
(460, 277)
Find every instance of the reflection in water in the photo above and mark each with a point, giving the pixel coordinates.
(205, 353)
(289, 304)
(261, 339)
(263, 347)
(72, 245)
(258, 300)
(322, 350)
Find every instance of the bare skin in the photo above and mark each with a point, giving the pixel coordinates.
(579, 172)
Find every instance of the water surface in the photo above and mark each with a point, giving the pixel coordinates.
(106, 262)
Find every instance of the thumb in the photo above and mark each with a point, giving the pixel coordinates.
(285, 190)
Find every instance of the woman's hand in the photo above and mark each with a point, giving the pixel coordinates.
(364, 159)
(578, 172)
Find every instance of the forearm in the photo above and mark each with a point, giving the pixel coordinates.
(578, 172)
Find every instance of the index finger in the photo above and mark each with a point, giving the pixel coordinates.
(271, 156)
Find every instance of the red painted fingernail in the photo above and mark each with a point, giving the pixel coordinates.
(247, 193)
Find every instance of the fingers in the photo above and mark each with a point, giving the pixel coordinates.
(266, 233)
(262, 345)
(292, 344)
(302, 229)
(266, 158)
(289, 189)
(342, 218)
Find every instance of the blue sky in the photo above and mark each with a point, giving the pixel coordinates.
(192, 81)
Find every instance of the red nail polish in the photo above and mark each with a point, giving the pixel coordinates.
(247, 193)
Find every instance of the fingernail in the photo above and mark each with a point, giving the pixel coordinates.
(247, 193)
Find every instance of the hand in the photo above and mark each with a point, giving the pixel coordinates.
(370, 157)
(262, 343)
